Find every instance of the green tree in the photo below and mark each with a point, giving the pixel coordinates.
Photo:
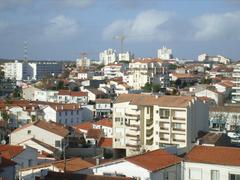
(147, 87)
(5, 116)
(156, 87)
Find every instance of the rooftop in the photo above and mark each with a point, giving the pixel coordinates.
(214, 155)
(155, 160)
(10, 151)
(164, 101)
(104, 122)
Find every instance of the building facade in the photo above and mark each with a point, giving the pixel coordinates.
(165, 53)
(145, 122)
(108, 56)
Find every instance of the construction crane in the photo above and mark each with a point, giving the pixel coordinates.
(120, 37)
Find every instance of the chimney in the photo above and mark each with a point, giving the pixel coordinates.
(156, 96)
(97, 161)
(24, 108)
(33, 108)
(62, 107)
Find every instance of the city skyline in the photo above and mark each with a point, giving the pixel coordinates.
(63, 29)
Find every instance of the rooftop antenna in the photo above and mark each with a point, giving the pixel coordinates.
(25, 51)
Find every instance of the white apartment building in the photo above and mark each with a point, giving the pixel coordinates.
(29, 93)
(67, 96)
(236, 86)
(164, 53)
(33, 70)
(145, 122)
(211, 163)
(45, 95)
(148, 71)
(83, 62)
(112, 70)
(218, 58)
(108, 56)
(85, 75)
(67, 114)
(125, 57)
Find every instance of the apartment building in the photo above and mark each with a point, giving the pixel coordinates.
(148, 71)
(112, 70)
(125, 57)
(236, 86)
(83, 62)
(33, 70)
(164, 53)
(218, 58)
(108, 56)
(146, 122)
(67, 96)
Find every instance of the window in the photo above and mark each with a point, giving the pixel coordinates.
(215, 175)
(29, 131)
(234, 176)
(117, 119)
(148, 110)
(71, 112)
(164, 113)
(30, 162)
(65, 113)
(60, 113)
(57, 143)
(195, 173)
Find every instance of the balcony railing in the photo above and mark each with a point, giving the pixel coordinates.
(132, 135)
(178, 129)
(150, 132)
(179, 118)
(149, 122)
(149, 142)
(178, 140)
(163, 139)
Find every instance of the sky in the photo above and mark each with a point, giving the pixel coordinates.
(62, 29)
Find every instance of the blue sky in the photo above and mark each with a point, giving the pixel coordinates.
(61, 29)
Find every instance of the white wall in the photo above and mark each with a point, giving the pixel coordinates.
(203, 171)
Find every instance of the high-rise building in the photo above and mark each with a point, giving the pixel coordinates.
(165, 53)
(125, 57)
(146, 122)
(218, 58)
(108, 56)
(83, 62)
(33, 70)
(236, 87)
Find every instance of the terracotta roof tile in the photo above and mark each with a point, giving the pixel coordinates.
(214, 155)
(84, 126)
(72, 93)
(103, 101)
(165, 101)
(10, 151)
(104, 122)
(94, 133)
(105, 142)
(155, 160)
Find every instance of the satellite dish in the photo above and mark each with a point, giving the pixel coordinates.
(3, 141)
(44, 172)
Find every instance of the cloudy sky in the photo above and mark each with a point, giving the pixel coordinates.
(61, 29)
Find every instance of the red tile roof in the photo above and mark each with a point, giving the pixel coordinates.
(72, 93)
(214, 155)
(155, 160)
(84, 126)
(10, 151)
(103, 101)
(104, 122)
(105, 142)
(94, 133)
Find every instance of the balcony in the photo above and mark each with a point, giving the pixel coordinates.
(149, 122)
(164, 139)
(150, 132)
(133, 135)
(149, 142)
(132, 115)
(178, 140)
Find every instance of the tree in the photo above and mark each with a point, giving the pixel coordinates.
(5, 116)
(156, 87)
(147, 87)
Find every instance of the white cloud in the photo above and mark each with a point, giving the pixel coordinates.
(148, 25)
(212, 26)
(61, 26)
(77, 3)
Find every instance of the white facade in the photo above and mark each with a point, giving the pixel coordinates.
(236, 87)
(70, 98)
(40, 134)
(125, 57)
(202, 171)
(108, 56)
(217, 58)
(138, 128)
(147, 71)
(112, 70)
(216, 96)
(85, 75)
(29, 93)
(45, 95)
(129, 169)
(63, 116)
(83, 62)
(165, 53)
(32, 70)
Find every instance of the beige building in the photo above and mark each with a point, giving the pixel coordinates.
(148, 71)
(146, 122)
